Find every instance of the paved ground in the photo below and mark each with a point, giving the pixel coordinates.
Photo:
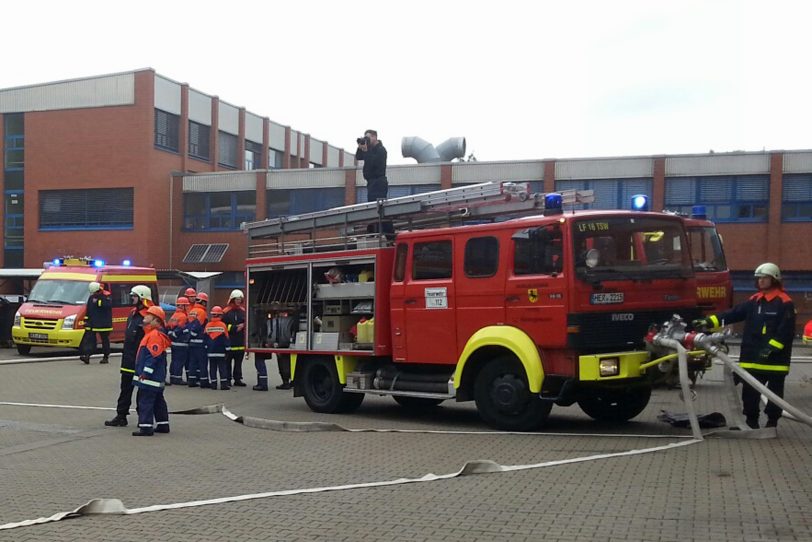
(53, 460)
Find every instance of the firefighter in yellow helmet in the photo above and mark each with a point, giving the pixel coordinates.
(234, 318)
(766, 349)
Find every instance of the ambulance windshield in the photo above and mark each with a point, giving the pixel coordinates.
(61, 292)
(630, 248)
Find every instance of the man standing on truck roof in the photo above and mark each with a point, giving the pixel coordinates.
(141, 299)
(98, 320)
(373, 153)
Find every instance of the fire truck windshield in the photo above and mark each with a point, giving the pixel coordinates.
(62, 292)
(706, 249)
(629, 248)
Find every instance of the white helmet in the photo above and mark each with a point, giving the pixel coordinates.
(236, 294)
(768, 270)
(94, 287)
(143, 292)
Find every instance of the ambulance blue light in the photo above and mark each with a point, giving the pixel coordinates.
(126, 263)
(640, 202)
(98, 263)
(553, 204)
(699, 211)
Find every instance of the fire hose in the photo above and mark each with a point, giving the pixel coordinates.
(673, 335)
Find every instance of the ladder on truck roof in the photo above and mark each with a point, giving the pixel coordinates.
(486, 201)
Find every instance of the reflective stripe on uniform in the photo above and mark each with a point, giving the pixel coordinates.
(776, 344)
(100, 329)
(149, 382)
(123, 370)
(215, 355)
(763, 367)
(149, 370)
(235, 348)
(179, 344)
(714, 320)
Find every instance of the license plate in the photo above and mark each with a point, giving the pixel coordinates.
(38, 336)
(606, 298)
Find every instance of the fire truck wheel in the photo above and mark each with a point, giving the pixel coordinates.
(503, 397)
(616, 407)
(322, 390)
(416, 403)
(23, 349)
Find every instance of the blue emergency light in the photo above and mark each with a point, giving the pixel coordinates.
(553, 204)
(98, 263)
(640, 202)
(57, 262)
(126, 263)
(699, 211)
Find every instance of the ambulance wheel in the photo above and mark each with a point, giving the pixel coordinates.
(416, 403)
(23, 349)
(322, 390)
(616, 407)
(503, 397)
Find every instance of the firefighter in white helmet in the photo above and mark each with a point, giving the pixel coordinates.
(234, 319)
(766, 349)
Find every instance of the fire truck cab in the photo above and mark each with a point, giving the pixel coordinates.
(714, 290)
(518, 315)
(53, 315)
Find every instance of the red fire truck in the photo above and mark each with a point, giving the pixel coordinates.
(714, 288)
(517, 315)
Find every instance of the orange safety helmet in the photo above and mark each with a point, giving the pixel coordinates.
(217, 310)
(190, 292)
(182, 301)
(202, 296)
(158, 312)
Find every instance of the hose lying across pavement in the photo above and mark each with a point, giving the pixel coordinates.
(116, 506)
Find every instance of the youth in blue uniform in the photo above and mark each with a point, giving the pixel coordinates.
(176, 329)
(216, 337)
(150, 372)
(197, 373)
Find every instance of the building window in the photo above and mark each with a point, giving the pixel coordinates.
(218, 211)
(609, 193)
(253, 155)
(731, 198)
(14, 143)
(303, 200)
(796, 200)
(481, 257)
(397, 191)
(275, 158)
(228, 150)
(199, 141)
(432, 260)
(167, 127)
(93, 209)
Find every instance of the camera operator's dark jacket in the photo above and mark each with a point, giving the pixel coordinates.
(374, 171)
(99, 311)
(769, 327)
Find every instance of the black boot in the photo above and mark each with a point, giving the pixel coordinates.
(239, 383)
(163, 428)
(118, 421)
(104, 360)
(143, 432)
(85, 359)
(752, 423)
(260, 388)
(771, 423)
(284, 386)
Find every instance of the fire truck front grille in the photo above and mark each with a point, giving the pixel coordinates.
(617, 331)
(38, 323)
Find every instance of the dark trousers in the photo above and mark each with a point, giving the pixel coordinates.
(234, 362)
(180, 356)
(283, 362)
(151, 408)
(262, 370)
(218, 364)
(125, 396)
(198, 366)
(88, 345)
(751, 396)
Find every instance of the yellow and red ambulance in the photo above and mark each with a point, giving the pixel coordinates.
(53, 315)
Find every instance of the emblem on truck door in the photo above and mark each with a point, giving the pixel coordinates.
(532, 295)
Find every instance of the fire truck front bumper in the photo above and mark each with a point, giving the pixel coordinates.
(67, 338)
(612, 366)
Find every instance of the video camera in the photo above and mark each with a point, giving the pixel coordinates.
(362, 140)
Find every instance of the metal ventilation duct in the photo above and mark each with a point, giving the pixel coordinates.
(424, 152)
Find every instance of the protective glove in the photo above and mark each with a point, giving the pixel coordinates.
(764, 354)
(701, 323)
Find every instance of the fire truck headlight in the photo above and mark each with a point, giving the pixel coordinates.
(17, 319)
(609, 367)
(69, 321)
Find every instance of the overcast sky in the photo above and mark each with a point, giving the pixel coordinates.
(520, 80)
